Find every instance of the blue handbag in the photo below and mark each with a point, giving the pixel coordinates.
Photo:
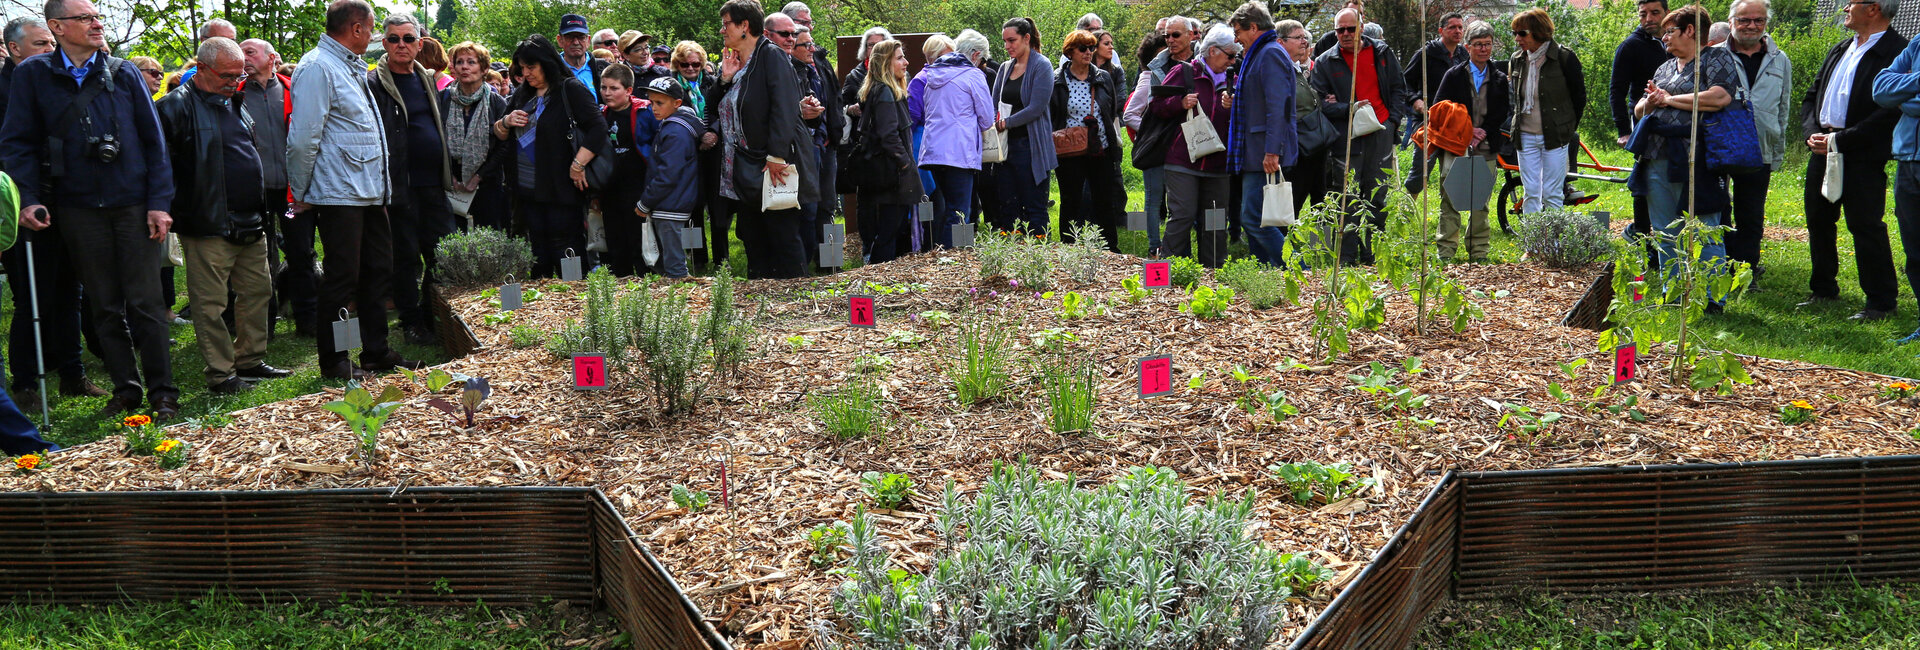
(1732, 142)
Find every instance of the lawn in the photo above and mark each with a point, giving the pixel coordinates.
(1856, 618)
(361, 622)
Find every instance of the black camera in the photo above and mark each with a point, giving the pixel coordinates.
(105, 148)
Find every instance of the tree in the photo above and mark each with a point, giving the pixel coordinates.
(446, 17)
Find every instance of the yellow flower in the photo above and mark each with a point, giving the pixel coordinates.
(167, 446)
(28, 461)
(1802, 405)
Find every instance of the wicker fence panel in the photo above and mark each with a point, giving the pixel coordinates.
(1410, 576)
(1691, 527)
(423, 546)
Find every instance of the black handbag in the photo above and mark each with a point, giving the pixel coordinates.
(873, 168)
(599, 171)
(1156, 134)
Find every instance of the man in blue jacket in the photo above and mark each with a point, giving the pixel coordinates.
(1263, 138)
(87, 116)
(1898, 86)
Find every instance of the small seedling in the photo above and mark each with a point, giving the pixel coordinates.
(1135, 292)
(1798, 412)
(1278, 408)
(797, 342)
(889, 491)
(1310, 480)
(526, 336)
(904, 338)
(498, 318)
(935, 318)
(826, 540)
(1053, 338)
(1073, 306)
(689, 499)
(366, 414)
(1532, 426)
(1207, 303)
(875, 363)
(851, 411)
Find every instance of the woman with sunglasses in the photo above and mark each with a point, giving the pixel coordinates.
(1083, 98)
(150, 73)
(1549, 92)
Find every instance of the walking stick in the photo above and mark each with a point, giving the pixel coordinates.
(39, 343)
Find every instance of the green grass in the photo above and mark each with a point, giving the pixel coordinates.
(224, 623)
(1855, 618)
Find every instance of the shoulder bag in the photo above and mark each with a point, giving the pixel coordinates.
(599, 170)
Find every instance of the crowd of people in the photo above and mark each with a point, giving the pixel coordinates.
(603, 136)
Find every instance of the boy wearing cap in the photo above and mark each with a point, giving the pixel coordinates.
(673, 184)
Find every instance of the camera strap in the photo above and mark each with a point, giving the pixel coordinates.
(94, 85)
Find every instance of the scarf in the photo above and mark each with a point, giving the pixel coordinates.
(1236, 145)
(695, 98)
(469, 137)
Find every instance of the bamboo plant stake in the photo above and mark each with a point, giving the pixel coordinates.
(1426, 238)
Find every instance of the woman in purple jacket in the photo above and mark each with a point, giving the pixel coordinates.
(958, 107)
(1195, 185)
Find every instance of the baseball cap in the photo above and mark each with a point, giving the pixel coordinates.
(573, 24)
(667, 86)
(661, 49)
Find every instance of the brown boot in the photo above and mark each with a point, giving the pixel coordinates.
(78, 385)
(27, 400)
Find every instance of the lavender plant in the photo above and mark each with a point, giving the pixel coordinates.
(1562, 239)
(1041, 564)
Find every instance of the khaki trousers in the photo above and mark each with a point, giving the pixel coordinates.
(1479, 235)
(213, 264)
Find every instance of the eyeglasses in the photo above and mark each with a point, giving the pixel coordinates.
(408, 39)
(1480, 44)
(787, 34)
(1295, 37)
(1521, 33)
(1750, 21)
(232, 78)
(86, 18)
(1346, 30)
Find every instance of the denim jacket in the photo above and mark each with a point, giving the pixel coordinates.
(336, 148)
(1898, 86)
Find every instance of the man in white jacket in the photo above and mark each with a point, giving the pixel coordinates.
(1767, 77)
(337, 166)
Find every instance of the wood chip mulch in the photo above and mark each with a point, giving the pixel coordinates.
(746, 565)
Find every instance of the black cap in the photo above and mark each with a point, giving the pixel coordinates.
(667, 86)
(662, 49)
(573, 24)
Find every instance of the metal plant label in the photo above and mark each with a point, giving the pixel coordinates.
(925, 212)
(510, 296)
(963, 235)
(1469, 183)
(570, 267)
(692, 239)
(860, 311)
(590, 372)
(1156, 375)
(346, 333)
(1137, 221)
(1216, 219)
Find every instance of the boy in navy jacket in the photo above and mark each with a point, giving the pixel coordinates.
(673, 184)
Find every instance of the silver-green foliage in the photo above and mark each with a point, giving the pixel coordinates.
(1081, 259)
(481, 256)
(1041, 564)
(1563, 239)
(1263, 286)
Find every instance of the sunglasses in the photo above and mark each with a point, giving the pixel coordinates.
(1346, 30)
(1749, 21)
(1520, 33)
(153, 72)
(408, 39)
(609, 43)
(1176, 34)
(689, 65)
(1086, 48)
(788, 34)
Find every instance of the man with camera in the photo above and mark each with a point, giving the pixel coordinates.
(220, 197)
(83, 143)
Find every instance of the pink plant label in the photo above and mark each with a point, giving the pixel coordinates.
(590, 372)
(1636, 290)
(1156, 274)
(1626, 363)
(860, 311)
(1156, 375)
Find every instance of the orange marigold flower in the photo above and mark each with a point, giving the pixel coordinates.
(1803, 405)
(167, 446)
(136, 420)
(1900, 385)
(28, 461)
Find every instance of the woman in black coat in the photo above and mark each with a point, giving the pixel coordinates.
(1083, 95)
(884, 120)
(546, 171)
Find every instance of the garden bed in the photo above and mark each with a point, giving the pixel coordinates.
(744, 560)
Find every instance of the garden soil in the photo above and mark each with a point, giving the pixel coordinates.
(773, 473)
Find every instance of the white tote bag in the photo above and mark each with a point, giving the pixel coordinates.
(1276, 203)
(993, 146)
(649, 244)
(1836, 172)
(1202, 140)
(596, 231)
(1365, 122)
(781, 196)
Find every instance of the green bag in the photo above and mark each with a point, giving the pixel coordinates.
(9, 212)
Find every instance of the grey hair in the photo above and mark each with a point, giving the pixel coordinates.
(799, 29)
(1086, 22)
(217, 49)
(17, 28)
(1480, 29)
(970, 42)
(1219, 38)
(1252, 14)
(1192, 25)
(868, 35)
(1720, 31)
(396, 20)
(208, 27)
(1286, 28)
(1741, 4)
(1888, 7)
(1373, 31)
(793, 9)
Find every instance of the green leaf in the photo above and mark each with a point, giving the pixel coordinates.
(359, 398)
(392, 394)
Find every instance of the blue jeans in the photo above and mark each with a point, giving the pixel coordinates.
(954, 186)
(1265, 241)
(1024, 201)
(1663, 209)
(1155, 181)
(17, 435)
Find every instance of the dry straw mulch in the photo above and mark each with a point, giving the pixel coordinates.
(746, 566)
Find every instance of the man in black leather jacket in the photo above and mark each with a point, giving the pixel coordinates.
(219, 203)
